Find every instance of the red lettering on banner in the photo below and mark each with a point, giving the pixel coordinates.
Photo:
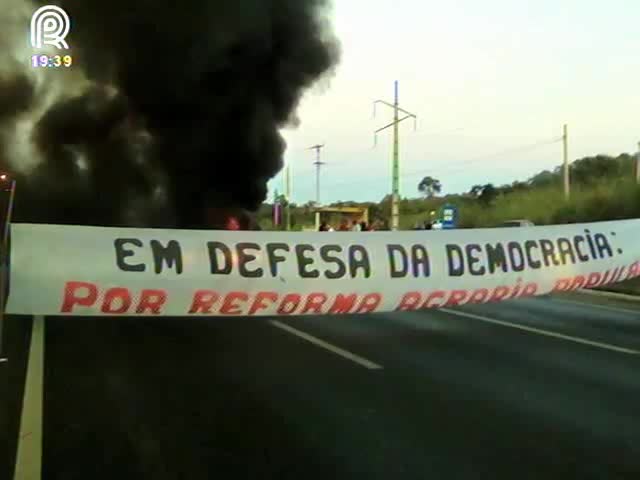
(369, 303)
(457, 298)
(258, 302)
(479, 296)
(499, 293)
(290, 304)
(593, 280)
(562, 285)
(116, 300)
(203, 301)
(409, 302)
(314, 303)
(530, 289)
(578, 282)
(343, 303)
(112, 298)
(152, 300)
(438, 294)
(73, 297)
(229, 307)
(634, 271)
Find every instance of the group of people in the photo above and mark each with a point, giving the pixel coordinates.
(345, 226)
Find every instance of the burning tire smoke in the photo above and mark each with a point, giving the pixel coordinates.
(169, 108)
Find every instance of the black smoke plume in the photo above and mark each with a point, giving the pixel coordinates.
(183, 114)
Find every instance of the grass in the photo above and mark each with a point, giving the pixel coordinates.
(630, 287)
(613, 200)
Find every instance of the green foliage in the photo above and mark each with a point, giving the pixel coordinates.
(602, 188)
(429, 187)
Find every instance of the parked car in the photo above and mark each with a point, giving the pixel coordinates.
(517, 223)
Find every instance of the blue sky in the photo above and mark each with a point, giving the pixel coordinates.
(487, 79)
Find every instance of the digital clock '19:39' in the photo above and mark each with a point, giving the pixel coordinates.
(53, 61)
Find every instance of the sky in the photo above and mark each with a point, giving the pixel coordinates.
(491, 81)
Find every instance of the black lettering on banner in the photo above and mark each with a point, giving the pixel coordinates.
(244, 258)
(275, 259)
(171, 255)
(216, 248)
(496, 257)
(455, 260)
(529, 245)
(516, 256)
(549, 253)
(420, 261)
(122, 253)
(592, 247)
(326, 252)
(603, 245)
(359, 259)
(397, 271)
(304, 261)
(577, 241)
(471, 250)
(566, 251)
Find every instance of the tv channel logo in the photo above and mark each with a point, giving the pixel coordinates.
(50, 25)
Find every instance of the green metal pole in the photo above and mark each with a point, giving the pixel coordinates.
(395, 186)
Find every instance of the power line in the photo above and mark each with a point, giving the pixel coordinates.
(457, 165)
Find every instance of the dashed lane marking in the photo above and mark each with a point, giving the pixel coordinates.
(327, 346)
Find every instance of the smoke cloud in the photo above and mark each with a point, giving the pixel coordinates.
(170, 108)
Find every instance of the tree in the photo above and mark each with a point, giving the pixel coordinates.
(488, 195)
(281, 199)
(429, 186)
(476, 190)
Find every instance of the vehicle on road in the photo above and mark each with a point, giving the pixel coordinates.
(517, 223)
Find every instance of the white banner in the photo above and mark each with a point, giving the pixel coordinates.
(74, 270)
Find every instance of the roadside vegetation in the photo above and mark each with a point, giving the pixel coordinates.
(602, 188)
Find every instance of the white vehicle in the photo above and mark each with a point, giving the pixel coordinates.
(517, 223)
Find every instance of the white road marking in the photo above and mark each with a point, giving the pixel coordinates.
(327, 346)
(601, 307)
(546, 333)
(29, 457)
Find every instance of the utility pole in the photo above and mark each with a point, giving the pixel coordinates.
(318, 164)
(4, 255)
(565, 145)
(638, 165)
(395, 168)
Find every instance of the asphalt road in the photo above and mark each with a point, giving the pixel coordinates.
(534, 389)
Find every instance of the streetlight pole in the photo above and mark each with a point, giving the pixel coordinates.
(395, 167)
(4, 260)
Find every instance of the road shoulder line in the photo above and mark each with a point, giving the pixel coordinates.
(29, 457)
(612, 295)
(546, 333)
(609, 308)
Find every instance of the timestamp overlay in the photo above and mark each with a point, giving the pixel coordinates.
(50, 27)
